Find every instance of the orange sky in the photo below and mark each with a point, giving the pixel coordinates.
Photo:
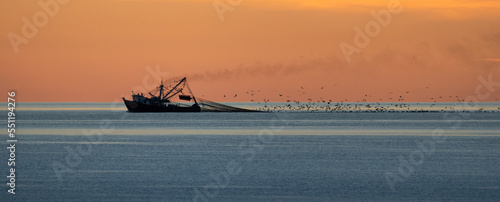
(98, 50)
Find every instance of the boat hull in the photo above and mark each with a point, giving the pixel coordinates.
(139, 107)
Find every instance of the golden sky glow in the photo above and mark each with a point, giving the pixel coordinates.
(98, 50)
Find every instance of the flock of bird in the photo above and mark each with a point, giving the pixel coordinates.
(397, 104)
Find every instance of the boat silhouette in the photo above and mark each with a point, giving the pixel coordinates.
(159, 99)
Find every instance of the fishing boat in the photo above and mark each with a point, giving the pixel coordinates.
(161, 98)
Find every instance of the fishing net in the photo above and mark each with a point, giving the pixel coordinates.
(209, 106)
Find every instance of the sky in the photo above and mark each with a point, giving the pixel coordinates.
(101, 50)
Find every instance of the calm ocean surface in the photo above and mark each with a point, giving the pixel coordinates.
(100, 152)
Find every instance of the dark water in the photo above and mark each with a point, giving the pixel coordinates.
(105, 155)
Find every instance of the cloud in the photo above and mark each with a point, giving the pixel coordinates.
(259, 69)
(492, 60)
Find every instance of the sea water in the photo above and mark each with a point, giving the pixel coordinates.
(100, 152)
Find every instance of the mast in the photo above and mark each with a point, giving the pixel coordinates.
(161, 90)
